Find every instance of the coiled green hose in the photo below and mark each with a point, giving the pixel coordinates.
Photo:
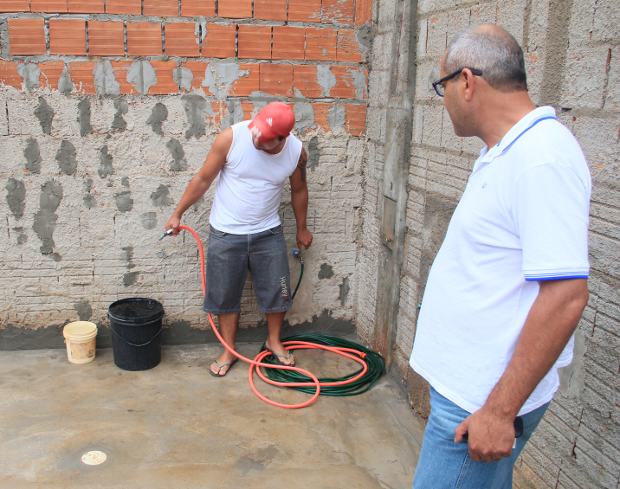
(374, 360)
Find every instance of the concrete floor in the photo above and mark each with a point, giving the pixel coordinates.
(177, 427)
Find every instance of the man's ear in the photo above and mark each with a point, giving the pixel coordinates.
(469, 84)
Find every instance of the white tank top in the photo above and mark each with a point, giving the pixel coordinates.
(249, 187)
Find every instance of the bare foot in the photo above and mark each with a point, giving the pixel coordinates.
(279, 348)
(225, 357)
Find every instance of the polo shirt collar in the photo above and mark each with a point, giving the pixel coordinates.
(487, 155)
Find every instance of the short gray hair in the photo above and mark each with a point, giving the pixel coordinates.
(493, 51)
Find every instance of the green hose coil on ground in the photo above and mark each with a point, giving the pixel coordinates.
(374, 360)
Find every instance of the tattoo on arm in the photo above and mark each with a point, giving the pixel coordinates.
(301, 164)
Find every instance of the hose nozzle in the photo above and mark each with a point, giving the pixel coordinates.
(167, 233)
(297, 254)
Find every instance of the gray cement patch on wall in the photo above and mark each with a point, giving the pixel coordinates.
(183, 78)
(149, 220)
(124, 202)
(83, 309)
(304, 117)
(45, 114)
(220, 75)
(336, 116)
(45, 219)
(105, 81)
(142, 76)
(30, 72)
(178, 155)
(89, 200)
(158, 115)
(313, 153)
(32, 153)
(105, 160)
(160, 197)
(84, 117)
(326, 79)
(66, 157)
(196, 108)
(326, 271)
(16, 197)
(65, 85)
(119, 124)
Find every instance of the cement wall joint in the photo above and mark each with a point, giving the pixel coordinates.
(393, 204)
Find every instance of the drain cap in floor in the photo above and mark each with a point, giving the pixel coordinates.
(94, 457)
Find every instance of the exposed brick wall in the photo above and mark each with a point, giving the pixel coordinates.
(104, 119)
(571, 51)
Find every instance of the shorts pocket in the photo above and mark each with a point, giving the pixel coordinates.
(217, 233)
(276, 230)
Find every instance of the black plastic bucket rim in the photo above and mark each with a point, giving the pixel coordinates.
(140, 319)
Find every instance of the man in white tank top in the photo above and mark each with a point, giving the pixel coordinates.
(253, 160)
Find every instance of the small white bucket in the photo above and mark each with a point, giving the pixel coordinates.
(81, 339)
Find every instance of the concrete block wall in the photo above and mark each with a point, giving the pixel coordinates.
(572, 58)
(107, 110)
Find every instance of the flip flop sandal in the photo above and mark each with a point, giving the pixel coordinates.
(286, 357)
(220, 367)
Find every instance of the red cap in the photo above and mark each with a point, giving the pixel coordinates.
(274, 120)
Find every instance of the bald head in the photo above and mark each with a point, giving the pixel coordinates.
(493, 51)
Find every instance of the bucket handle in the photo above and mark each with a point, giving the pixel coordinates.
(134, 344)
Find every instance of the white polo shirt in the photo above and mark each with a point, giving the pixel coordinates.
(522, 218)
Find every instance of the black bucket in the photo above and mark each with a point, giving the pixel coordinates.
(136, 333)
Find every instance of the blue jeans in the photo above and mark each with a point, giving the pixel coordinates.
(444, 464)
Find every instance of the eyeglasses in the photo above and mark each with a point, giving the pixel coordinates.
(440, 89)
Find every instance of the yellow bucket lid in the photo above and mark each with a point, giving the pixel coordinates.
(79, 328)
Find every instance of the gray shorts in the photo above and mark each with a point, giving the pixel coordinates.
(229, 258)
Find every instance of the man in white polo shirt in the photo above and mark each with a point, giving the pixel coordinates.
(508, 285)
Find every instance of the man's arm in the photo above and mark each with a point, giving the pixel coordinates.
(299, 201)
(548, 327)
(204, 178)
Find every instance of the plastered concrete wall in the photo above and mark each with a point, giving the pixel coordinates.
(573, 63)
(108, 109)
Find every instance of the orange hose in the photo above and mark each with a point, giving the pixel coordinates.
(298, 345)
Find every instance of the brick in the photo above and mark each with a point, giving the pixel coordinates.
(220, 41)
(121, 70)
(198, 69)
(363, 12)
(106, 38)
(289, 42)
(51, 71)
(15, 6)
(128, 7)
(321, 112)
(321, 44)
(9, 75)
(27, 36)
(270, 9)
(194, 8)
(355, 119)
(181, 39)
(161, 8)
(337, 11)
(67, 36)
(304, 10)
(85, 6)
(306, 81)
(351, 82)
(276, 79)
(248, 108)
(248, 83)
(348, 48)
(235, 9)
(254, 42)
(165, 81)
(82, 76)
(48, 5)
(144, 39)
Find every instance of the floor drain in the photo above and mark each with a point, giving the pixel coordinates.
(94, 458)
